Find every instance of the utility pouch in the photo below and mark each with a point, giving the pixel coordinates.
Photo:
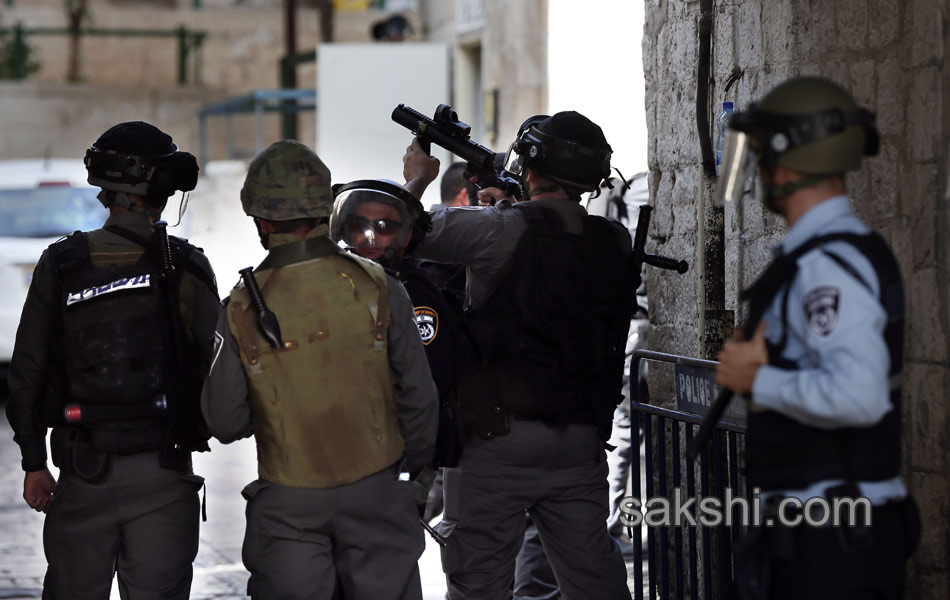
(854, 537)
(448, 439)
(492, 422)
(76, 454)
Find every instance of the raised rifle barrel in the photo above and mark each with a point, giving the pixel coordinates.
(456, 142)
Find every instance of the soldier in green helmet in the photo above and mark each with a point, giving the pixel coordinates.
(339, 399)
(823, 369)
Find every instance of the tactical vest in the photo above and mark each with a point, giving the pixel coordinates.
(116, 346)
(438, 315)
(322, 406)
(782, 453)
(549, 344)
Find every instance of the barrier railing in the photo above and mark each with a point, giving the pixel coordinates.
(685, 561)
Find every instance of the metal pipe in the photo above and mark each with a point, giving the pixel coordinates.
(288, 71)
(702, 88)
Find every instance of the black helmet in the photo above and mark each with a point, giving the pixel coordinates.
(138, 158)
(567, 148)
(810, 125)
(398, 224)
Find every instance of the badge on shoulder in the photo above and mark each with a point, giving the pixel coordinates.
(821, 309)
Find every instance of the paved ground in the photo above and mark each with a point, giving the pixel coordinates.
(218, 573)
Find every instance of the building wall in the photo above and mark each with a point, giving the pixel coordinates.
(893, 56)
(511, 39)
(137, 77)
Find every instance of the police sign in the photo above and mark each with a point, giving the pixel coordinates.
(696, 390)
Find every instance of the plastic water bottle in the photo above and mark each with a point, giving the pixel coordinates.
(722, 125)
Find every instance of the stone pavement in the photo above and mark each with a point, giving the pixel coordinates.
(219, 572)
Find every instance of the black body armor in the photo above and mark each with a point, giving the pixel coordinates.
(782, 453)
(549, 344)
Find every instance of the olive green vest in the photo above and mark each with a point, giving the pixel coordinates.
(322, 406)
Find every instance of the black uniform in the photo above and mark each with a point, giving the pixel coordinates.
(96, 333)
(549, 315)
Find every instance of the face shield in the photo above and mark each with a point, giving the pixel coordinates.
(739, 162)
(371, 223)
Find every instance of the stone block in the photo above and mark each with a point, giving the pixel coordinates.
(861, 82)
(809, 69)
(924, 25)
(924, 115)
(933, 585)
(776, 24)
(921, 204)
(748, 35)
(851, 24)
(927, 338)
(837, 70)
(891, 92)
(925, 436)
(884, 171)
(884, 27)
(932, 492)
(723, 44)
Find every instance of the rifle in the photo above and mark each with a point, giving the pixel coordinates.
(447, 131)
(640, 255)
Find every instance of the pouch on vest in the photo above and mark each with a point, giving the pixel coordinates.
(76, 454)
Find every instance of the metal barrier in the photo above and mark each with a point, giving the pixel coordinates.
(687, 561)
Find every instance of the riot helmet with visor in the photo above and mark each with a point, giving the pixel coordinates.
(377, 219)
(567, 148)
(807, 124)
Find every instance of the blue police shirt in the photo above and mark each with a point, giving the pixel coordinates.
(836, 339)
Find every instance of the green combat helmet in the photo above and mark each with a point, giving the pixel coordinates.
(287, 181)
(809, 125)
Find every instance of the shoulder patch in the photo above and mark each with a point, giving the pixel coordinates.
(427, 320)
(821, 309)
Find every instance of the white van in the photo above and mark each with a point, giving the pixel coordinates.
(40, 202)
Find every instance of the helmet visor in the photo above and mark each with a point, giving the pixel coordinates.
(739, 160)
(514, 162)
(370, 223)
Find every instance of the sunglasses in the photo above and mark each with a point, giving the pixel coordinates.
(380, 226)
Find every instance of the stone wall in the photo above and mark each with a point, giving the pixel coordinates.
(893, 56)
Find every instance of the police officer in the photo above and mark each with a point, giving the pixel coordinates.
(823, 368)
(380, 220)
(550, 296)
(111, 346)
(337, 393)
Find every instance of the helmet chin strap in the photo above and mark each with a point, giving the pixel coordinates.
(775, 192)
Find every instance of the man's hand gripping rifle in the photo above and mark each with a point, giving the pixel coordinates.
(447, 131)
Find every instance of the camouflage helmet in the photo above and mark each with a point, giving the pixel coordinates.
(287, 181)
